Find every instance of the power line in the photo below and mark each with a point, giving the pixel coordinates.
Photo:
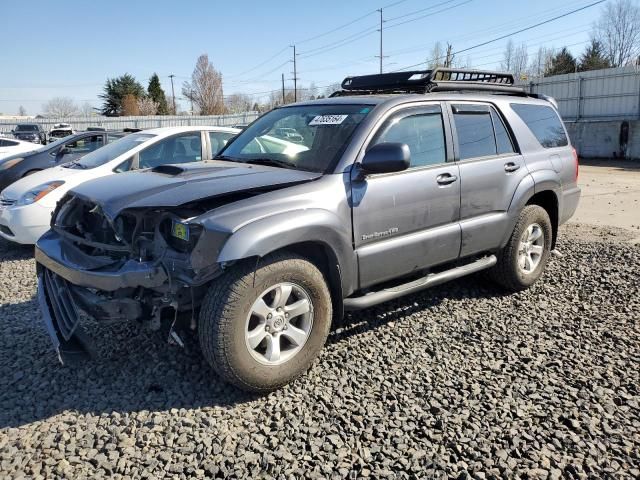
(512, 33)
(430, 14)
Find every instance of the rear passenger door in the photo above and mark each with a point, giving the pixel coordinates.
(490, 171)
(407, 221)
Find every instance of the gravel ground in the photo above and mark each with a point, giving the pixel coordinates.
(458, 382)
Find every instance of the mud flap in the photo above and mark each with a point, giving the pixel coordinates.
(72, 351)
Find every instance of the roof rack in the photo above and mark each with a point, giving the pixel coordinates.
(436, 80)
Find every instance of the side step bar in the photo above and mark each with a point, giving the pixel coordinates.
(431, 280)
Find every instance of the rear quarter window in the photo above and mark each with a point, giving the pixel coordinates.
(544, 123)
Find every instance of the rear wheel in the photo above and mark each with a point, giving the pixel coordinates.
(523, 260)
(260, 331)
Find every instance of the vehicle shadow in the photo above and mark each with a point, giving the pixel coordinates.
(134, 370)
(14, 251)
(471, 287)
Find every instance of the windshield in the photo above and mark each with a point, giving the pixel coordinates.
(305, 137)
(115, 149)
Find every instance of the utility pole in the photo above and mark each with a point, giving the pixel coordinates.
(283, 96)
(295, 75)
(380, 10)
(173, 93)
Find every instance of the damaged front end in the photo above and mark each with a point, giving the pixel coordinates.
(140, 265)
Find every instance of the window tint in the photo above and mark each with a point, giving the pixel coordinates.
(544, 123)
(218, 141)
(423, 133)
(475, 131)
(180, 149)
(503, 141)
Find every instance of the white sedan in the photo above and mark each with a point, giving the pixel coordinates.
(26, 205)
(11, 146)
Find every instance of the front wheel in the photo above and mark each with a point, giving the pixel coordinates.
(262, 328)
(523, 260)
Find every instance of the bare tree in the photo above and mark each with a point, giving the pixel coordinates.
(508, 56)
(238, 103)
(87, 110)
(437, 56)
(60, 107)
(205, 88)
(618, 30)
(541, 62)
(520, 62)
(146, 106)
(22, 111)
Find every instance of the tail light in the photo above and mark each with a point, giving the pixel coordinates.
(575, 159)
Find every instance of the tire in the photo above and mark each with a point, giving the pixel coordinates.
(510, 272)
(228, 321)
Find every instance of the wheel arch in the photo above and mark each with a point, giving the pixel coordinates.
(548, 200)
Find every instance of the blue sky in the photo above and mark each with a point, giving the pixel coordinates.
(70, 47)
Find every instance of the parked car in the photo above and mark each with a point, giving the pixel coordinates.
(61, 151)
(394, 191)
(26, 205)
(60, 130)
(30, 132)
(10, 146)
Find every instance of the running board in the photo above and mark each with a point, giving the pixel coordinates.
(431, 280)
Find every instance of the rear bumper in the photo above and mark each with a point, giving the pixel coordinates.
(70, 263)
(570, 199)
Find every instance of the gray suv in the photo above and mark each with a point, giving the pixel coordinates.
(399, 182)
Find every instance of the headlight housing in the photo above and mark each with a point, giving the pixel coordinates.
(181, 236)
(39, 192)
(7, 164)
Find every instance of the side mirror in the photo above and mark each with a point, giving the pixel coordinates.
(386, 158)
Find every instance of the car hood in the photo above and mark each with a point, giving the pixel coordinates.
(22, 186)
(174, 185)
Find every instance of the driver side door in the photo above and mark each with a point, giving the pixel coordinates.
(407, 221)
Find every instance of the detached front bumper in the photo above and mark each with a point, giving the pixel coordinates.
(78, 268)
(67, 284)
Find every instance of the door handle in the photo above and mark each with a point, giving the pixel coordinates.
(446, 179)
(511, 167)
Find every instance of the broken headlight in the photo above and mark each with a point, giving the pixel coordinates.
(181, 236)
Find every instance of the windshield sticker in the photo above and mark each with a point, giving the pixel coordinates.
(327, 120)
(365, 110)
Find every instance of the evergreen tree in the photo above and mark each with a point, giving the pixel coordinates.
(156, 93)
(593, 58)
(115, 91)
(562, 62)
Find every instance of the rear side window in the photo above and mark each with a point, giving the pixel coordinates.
(475, 131)
(503, 141)
(544, 123)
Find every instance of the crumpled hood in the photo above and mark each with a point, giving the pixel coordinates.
(174, 185)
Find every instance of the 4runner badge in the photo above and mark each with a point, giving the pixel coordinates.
(386, 233)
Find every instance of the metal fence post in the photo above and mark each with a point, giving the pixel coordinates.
(579, 106)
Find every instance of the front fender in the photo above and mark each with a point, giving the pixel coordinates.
(263, 236)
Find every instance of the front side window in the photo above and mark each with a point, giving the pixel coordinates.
(422, 132)
(304, 137)
(178, 149)
(543, 122)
